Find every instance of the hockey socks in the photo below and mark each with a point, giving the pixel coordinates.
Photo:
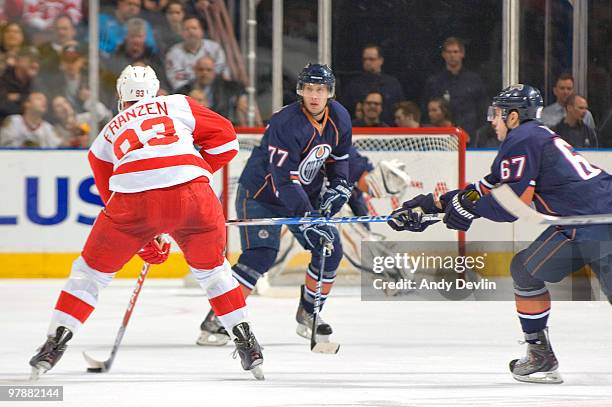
(224, 294)
(533, 307)
(79, 297)
(307, 299)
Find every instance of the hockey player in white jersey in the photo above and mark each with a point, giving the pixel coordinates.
(152, 180)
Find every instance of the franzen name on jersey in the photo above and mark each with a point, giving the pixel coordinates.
(296, 153)
(150, 145)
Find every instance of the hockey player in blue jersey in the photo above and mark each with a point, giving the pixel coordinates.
(544, 170)
(305, 144)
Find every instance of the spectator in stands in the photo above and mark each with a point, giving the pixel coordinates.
(485, 137)
(71, 127)
(63, 35)
(134, 49)
(40, 15)
(407, 114)
(170, 31)
(152, 11)
(199, 96)
(373, 79)
(223, 96)
(17, 82)
(554, 113)
(438, 110)
(182, 57)
(358, 111)
(463, 90)
(29, 129)
(113, 27)
(372, 109)
(572, 128)
(72, 82)
(12, 39)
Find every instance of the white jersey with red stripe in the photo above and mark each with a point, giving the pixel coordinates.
(151, 145)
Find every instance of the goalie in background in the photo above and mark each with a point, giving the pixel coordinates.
(545, 170)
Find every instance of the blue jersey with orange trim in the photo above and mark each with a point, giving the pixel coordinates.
(296, 153)
(541, 167)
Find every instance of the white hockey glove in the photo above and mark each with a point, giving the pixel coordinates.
(387, 179)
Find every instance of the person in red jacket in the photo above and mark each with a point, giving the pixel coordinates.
(152, 180)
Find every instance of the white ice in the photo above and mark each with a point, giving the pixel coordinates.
(392, 353)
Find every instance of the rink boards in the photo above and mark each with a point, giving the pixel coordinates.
(50, 202)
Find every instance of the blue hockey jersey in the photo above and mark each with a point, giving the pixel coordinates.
(288, 168)
(544, 169)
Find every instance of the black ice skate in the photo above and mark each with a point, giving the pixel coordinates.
(50, 352)
(540, 364)
(304, 320)
(213, 333)
(248, 349)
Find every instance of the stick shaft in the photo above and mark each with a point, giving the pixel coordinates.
(321, 220)
(128, 314)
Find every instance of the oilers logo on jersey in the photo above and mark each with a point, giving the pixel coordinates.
(311, 164)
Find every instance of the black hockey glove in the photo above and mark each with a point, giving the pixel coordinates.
(318, 236)
(409, 216)
(335, 197)
(459, 212)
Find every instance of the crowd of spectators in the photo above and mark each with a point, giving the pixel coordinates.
(454, 97)
(44, 82)
(45, 91)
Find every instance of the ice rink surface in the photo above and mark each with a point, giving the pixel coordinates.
(392, 353)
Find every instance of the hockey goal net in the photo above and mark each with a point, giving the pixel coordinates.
(435, 162)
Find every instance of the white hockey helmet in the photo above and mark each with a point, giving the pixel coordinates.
(136, 83)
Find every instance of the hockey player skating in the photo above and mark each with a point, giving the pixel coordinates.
(152, 179)
(542, 168)
(305, 143)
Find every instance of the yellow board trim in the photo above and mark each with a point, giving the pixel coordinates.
(58, 265)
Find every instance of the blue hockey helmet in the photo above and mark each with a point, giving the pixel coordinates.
(319, 74)
(524, 99)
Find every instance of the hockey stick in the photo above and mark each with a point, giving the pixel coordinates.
(322, 220)
(320, 347)
(505, 196)
(97, 366)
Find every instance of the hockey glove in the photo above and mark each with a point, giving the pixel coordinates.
(335, 197)
(409, 216)
(459, 212)
(317, 236)
(156, 251)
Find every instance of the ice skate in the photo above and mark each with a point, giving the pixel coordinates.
(539, 365)
(50, 352)
(248, 349)
(213, 333)
(304, 328)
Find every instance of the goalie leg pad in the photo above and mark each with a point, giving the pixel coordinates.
(78, 297)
